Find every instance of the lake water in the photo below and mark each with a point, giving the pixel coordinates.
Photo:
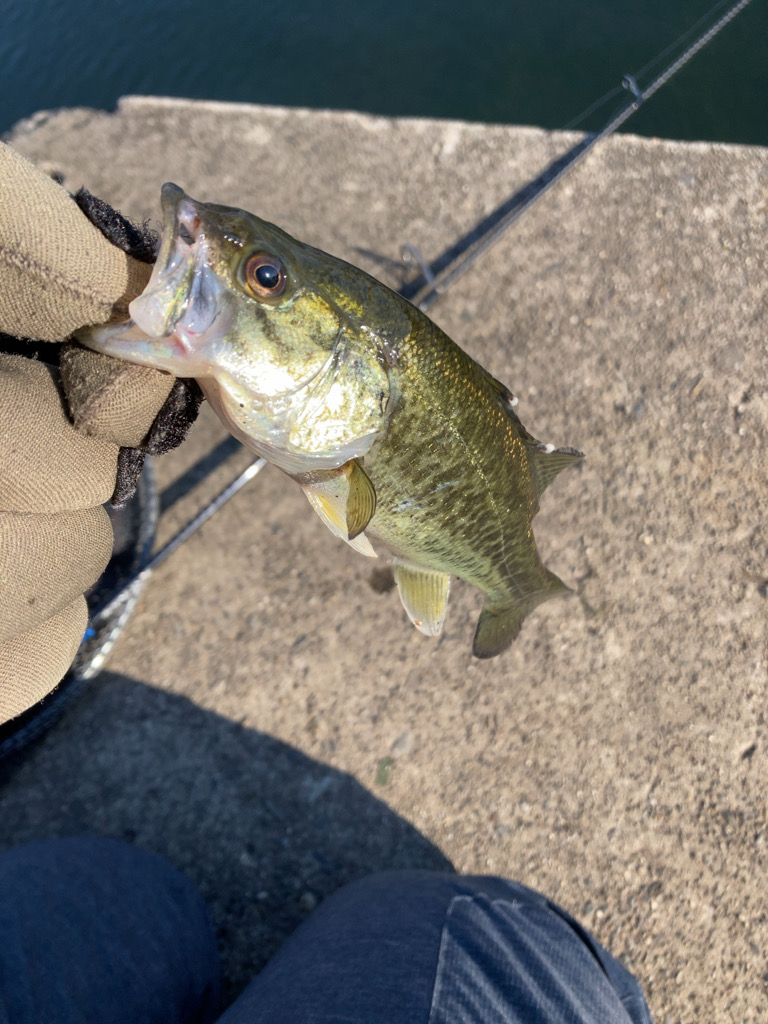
(524, 61)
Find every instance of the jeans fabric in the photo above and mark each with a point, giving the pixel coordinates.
(419, 947)
(93, 930)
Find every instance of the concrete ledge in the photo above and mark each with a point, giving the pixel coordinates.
(616, 758)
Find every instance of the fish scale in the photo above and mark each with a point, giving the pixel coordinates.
(470, 526)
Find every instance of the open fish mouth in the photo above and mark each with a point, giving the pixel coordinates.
(183, 296)
(183, 306)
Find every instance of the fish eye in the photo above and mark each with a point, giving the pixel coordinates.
(265, 276)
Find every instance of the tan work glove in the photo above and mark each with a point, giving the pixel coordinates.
(58, 272)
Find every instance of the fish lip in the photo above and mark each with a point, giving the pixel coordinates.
(175, 281)
(181, 218)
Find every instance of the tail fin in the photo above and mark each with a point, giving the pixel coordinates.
(499, 624)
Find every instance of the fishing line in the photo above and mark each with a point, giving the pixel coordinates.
(438, 276)
(654, 62)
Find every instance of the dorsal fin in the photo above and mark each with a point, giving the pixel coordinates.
(547, 461)
(509, 402)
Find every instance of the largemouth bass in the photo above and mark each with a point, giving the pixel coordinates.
(397, 437)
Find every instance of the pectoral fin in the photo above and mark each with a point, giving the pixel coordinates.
(345, 501)
(361, 500)
(424, 594)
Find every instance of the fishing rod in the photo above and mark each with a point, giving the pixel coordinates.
(136, 581)
(437, 277)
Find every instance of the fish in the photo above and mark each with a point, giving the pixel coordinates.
(404, 445)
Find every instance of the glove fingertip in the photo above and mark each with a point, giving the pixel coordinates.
(33, 663)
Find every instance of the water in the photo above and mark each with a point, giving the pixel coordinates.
(524, 61)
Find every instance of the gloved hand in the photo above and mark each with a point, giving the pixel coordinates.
(69, 438)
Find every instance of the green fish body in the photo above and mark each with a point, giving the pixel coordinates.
(396, 435)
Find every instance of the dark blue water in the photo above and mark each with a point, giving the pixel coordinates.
(523, 61)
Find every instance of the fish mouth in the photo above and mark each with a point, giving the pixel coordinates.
(183, 296)
(180, 213)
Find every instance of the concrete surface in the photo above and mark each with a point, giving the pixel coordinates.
(271, 721)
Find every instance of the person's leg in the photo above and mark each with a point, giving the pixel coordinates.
(425, 948)
(92, 930)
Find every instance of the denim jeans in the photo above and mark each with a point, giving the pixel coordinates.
(92, 930)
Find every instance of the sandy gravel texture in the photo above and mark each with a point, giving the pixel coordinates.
(273, 723)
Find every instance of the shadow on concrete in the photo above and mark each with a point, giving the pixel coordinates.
(465, 250)
(264, 831)
(196, 473)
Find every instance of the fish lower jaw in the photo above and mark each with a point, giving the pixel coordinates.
(173, 353)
